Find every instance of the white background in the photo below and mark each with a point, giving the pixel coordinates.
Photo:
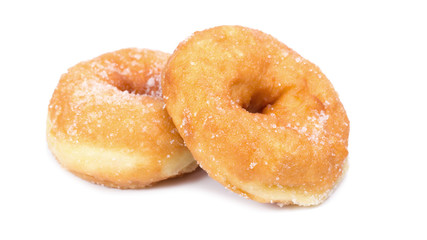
(373, 52)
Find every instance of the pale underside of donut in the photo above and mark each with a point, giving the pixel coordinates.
(117, 168)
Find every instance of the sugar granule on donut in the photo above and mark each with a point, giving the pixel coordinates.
(107, 122)
(259, 118)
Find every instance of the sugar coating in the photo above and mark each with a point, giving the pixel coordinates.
(112, 104)
(258, 117)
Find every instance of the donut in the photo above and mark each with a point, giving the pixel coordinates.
(257, 117)
(107, 122)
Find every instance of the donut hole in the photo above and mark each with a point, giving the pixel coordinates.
(258, 102)
(254, 98)
(139, 85)
(123, 83)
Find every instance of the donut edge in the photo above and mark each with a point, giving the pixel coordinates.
(56, 146)
(291, 197)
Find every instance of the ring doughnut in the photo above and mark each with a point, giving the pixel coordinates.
(257, 117)
(107, 122)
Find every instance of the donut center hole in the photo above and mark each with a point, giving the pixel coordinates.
(258, 102)
(255, 96)
(140, 85)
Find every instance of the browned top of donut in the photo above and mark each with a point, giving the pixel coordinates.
(114, 100)
(249, 107)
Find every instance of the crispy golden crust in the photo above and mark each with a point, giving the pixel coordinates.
(107, 122)
(258, 117)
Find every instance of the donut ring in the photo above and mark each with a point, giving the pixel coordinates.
(259, 118)
(107, 122)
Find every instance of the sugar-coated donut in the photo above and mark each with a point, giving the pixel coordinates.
(259, 118)
(107, 122)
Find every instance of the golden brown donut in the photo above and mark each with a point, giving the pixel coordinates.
(259, 118)
(107, 122)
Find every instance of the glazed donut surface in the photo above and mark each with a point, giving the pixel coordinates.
(259, 118)
(107, 122)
